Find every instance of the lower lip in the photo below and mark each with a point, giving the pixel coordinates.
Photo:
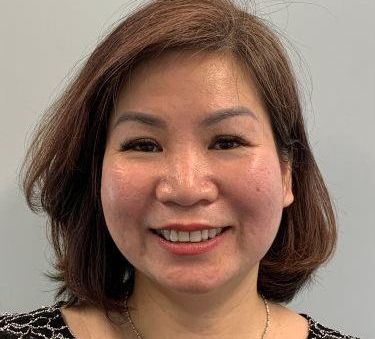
(191, 248)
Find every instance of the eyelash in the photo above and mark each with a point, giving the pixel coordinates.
(130, 145)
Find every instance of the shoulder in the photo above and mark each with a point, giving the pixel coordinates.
(292, 325)
(317, 330)
(44, 322)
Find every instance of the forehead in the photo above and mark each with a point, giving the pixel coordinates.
(188, 82)
(176, 61)
(189, 67)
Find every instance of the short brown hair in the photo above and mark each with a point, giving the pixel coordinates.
(62, 170)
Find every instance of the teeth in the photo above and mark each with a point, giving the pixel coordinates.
(195, 236)
(212, 233)
(183, 236)
(204, 234)
(173, 236)
(166, 234)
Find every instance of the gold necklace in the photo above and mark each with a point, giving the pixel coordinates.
(139, 336)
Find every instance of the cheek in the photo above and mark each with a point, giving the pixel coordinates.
(113, 188)
(123, 193)
(258, 200)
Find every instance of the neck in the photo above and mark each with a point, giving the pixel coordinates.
(233, 309)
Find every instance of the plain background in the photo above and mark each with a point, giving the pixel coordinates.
(44, 42)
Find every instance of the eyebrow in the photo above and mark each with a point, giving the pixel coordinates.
(214, 118)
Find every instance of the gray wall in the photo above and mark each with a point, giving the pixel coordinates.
(41, 41)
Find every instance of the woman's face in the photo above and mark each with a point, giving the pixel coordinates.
(186, 172)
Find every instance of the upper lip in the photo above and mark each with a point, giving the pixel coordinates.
(187, 227)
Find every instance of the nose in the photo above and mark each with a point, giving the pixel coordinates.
(187, 180)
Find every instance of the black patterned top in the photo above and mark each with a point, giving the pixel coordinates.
(47, 323)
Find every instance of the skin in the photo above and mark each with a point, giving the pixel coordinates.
(186, 174)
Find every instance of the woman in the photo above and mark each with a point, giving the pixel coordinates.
(183, 198)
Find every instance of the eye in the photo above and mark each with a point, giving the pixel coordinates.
(231, 140)
(148, 145)
(140, 145)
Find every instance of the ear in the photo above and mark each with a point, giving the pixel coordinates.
(286, 171)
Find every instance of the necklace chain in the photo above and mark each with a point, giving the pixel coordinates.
(139, 336)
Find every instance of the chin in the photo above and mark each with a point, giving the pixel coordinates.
(194, 288)
(193, 284)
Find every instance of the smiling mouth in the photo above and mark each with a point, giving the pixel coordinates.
(190, 237)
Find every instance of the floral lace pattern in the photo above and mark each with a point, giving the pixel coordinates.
(47, 323)
(317, 331)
